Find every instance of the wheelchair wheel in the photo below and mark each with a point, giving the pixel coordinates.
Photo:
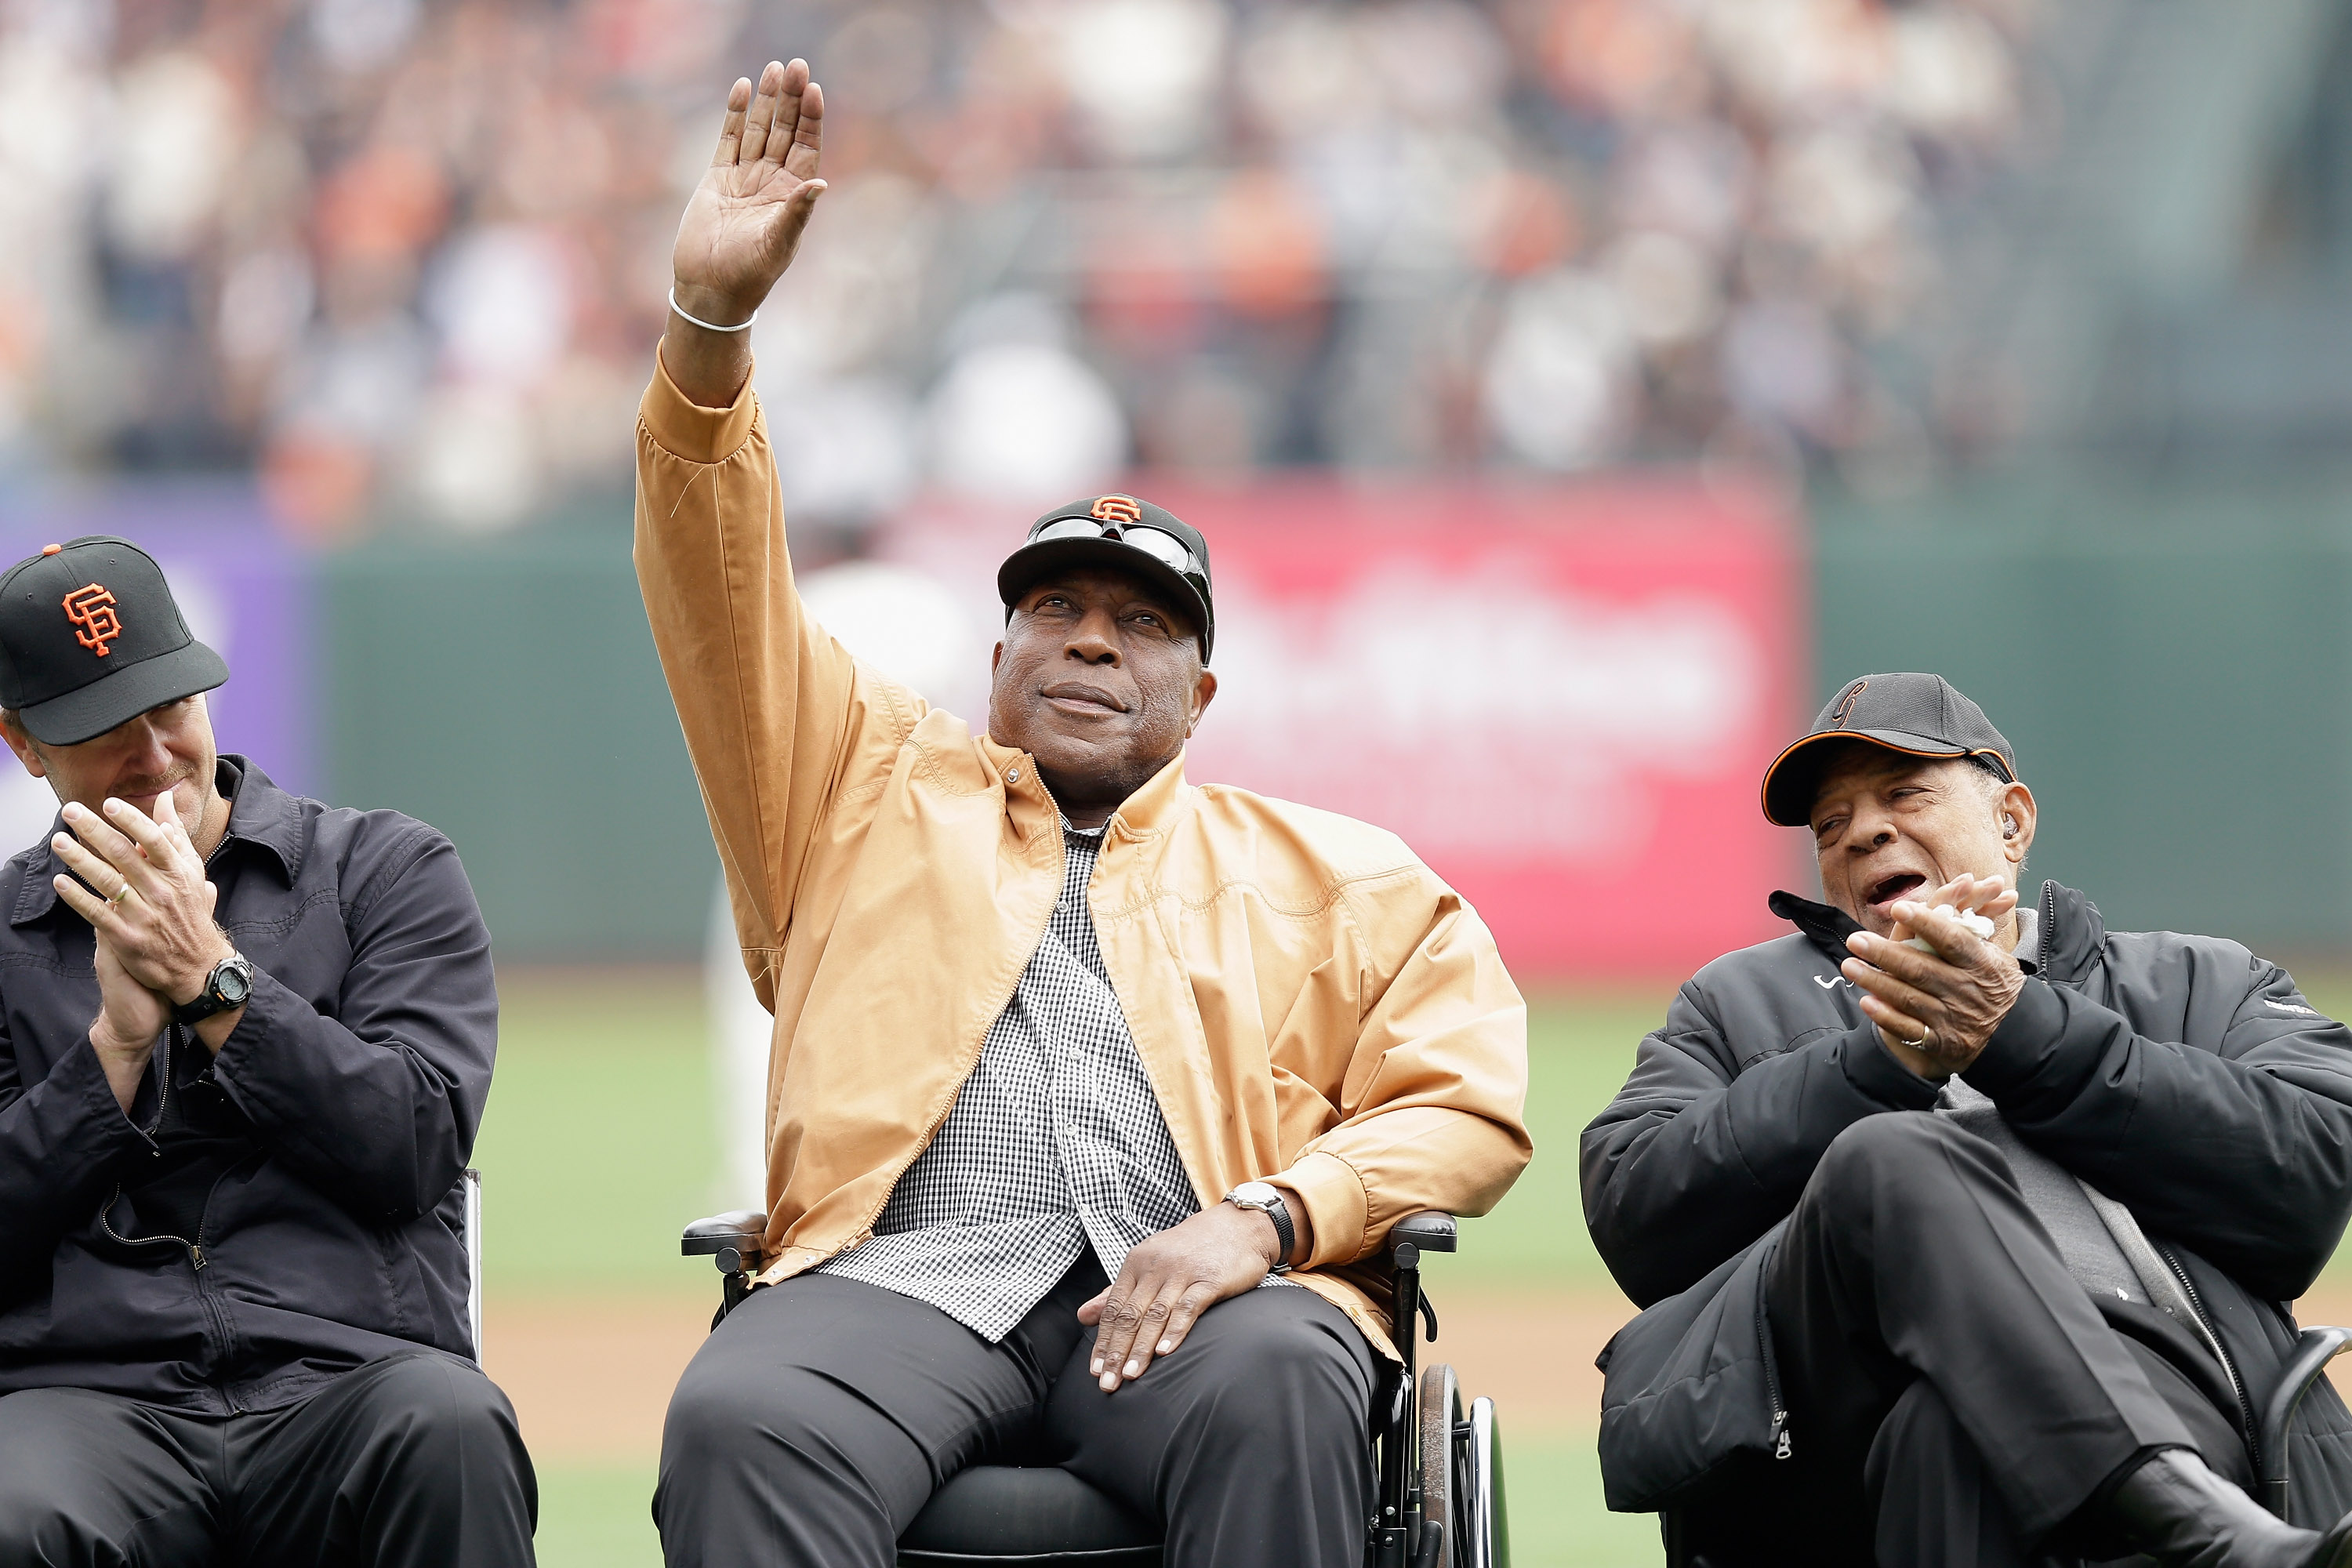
(1486, 1531)
(1438, 1412)
(1461, 1475)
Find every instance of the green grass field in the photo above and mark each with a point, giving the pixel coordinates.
(596, 1146)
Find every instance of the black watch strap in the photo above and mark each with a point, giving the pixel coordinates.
(1267, 1199)
(1279, 1212)
(228, 987)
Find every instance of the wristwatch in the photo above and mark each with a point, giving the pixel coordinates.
(228, 987)
(1267, 1199)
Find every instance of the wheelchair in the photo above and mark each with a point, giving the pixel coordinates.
(1440, 1500)
(2313, 1349)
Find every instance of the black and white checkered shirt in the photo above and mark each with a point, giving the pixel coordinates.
(1056, 1143)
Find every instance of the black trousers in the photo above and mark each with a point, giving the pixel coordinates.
(815, 1422)
(1954, 1396)
(410, 1462)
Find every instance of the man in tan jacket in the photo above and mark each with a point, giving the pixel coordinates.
(1080, 1070)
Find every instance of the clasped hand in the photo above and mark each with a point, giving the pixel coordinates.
(156, 946)
(1935, 1012)
(1170, 1279)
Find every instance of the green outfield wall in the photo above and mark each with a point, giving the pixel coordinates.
(2170, 660)
(508, 693)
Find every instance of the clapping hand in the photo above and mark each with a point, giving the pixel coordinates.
(1936, 1012)
(153, 915)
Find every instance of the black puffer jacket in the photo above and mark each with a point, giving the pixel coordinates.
(2181, 1075)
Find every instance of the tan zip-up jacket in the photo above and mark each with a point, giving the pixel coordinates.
(1314, 1007)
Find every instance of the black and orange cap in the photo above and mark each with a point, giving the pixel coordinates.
(1190, 589)
(90, 637)
(1917, 714)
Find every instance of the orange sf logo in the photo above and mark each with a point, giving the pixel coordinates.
(1118, 508)
(1845, 703)
(91, 609)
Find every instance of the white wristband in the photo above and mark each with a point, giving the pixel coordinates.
(706, 326)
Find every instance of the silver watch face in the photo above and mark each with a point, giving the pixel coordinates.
(1254, 1195)
(233, 983)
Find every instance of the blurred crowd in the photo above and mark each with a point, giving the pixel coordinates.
(405, 259)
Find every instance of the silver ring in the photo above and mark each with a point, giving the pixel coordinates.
(121, 894)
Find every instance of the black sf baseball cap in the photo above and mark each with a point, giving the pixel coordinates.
(1919, 715)
(1124, 533)
(92, 637)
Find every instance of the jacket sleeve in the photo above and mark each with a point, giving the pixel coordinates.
(62, 1142)
(1694, 1158)
(2239, 1148)
(378, 1104)
(770, 704)
(1433, 1106)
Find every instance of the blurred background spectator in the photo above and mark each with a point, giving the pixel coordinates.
(403, 259)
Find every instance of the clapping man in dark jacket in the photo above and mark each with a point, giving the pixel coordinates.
(1976, 1254)
(245, 1040)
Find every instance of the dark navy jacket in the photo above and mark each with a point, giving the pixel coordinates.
(316, 1160)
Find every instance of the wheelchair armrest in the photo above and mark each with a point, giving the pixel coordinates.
(1430, 1230)
(2313, 1349)
(733, 1237)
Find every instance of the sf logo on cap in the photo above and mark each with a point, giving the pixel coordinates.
(1118, 508)
(91, 610)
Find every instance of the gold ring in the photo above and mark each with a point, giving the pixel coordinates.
(123, 893)
(1927, 1032)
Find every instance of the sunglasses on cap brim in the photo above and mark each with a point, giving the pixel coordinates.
(1157, 543)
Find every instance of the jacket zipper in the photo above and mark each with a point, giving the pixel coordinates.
(196, 1259)
(1779, 1436)
(865, 1228)
(2237, 1386)
(2049, 922)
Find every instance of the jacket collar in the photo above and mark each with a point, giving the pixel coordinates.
(1150, 811)
(1154, 808)
(259, 815)
(2072, 932)
(1824, 926)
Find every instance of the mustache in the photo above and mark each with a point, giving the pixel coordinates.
(155, 786)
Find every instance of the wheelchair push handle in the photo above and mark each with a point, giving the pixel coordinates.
(2313, 1349)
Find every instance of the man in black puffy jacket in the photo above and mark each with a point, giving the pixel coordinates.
(1965, 1231)
(245, 1042)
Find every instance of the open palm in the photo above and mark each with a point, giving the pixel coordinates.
(747, 216)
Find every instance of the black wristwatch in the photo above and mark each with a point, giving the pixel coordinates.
(228, 987)
(1264, 1197)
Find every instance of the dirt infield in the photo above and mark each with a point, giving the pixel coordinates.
(590, 1379)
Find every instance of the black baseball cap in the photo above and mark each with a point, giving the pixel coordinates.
(1127, 534)
(92, 637)
(1919, 715)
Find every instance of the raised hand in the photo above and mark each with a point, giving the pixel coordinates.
(743, 225)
